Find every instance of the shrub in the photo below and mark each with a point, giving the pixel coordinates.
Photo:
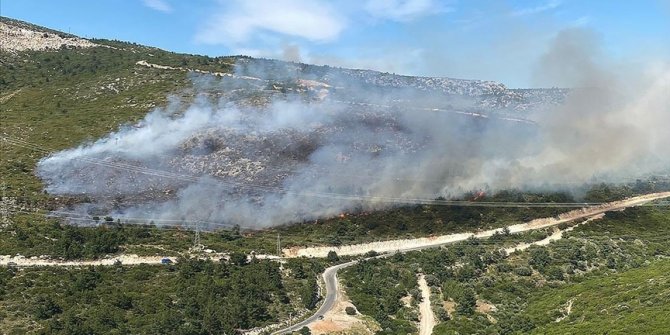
(523, 271)
(350, 310)
(467, 302)
(45, 308)
(443, 315)
(238, 258)
(554, 273)
(332, 256)
(539, 258)
(503, 267)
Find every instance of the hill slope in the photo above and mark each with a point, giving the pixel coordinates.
(63, 91)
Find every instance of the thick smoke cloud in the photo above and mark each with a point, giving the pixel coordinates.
(289, 158)
(614, 123)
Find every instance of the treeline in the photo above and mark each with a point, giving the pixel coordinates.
(422, 220)
(190, 297)
(71, 242)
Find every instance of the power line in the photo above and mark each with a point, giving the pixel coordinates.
(183, 223)
(330, 195)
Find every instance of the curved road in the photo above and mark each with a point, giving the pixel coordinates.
(330, 274)
(330, 278)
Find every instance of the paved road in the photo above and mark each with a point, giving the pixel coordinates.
(330, 278)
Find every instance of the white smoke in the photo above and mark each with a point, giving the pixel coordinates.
(290, 159)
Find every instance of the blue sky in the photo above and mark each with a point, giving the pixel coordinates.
(474, 39)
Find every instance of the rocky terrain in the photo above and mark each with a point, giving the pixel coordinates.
(479, 94)
(17, 36)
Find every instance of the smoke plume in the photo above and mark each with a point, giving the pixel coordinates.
(297, 156)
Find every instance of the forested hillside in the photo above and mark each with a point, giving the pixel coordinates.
(58, 91)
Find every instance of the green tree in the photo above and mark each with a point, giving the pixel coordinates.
(332, 256)
(554, 273)
(238, 258)
(539, 258)
(467, 302)
(45, 308)
(309, 294)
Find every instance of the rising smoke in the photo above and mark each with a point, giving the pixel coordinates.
(289, 158)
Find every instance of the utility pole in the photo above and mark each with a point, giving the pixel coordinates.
(4, 205)
(197, 245)
(278, 245)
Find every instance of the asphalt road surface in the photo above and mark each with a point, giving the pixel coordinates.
(330, 278)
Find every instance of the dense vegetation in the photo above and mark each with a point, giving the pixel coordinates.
(610, 273)
(190, 297)
(376, 288)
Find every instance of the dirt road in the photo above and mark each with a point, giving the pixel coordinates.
(392, 247)
(435, 241)
(426, 318)
(22, 261)
(556, 235)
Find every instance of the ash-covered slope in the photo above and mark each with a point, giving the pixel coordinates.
(254, 166)
(277, 142)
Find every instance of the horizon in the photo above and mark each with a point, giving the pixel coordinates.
(498, 41)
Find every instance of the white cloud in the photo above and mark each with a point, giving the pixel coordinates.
(552, 4)
(404, 10)
(241, 21)
(159, 5)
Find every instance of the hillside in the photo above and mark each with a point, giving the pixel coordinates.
(88, 88)
(96, 166)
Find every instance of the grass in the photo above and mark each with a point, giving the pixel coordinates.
(633, 302)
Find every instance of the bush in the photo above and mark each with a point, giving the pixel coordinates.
(443, 315)
(432, 280)
(504, 267)
(45, 308)
(350, 310)
(415, 293)
(238, 258)
(467, 302)
(555, 273)
(539, 258)
(332, 256)
(309, 294)
(515, 324)
(523, 271)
